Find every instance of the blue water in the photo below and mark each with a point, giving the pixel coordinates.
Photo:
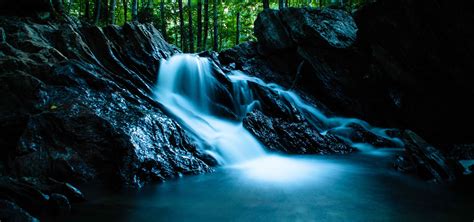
(357, 187)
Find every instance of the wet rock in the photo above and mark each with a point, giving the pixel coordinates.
(59, 204)
(424, 160)
(283, 29)
(295, 137)
(27, 197)
(53, 186)
(77, 105)
(357, 133)
(9, 211)
(271, 31)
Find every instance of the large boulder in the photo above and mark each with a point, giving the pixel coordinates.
(76, 105)
(424, 160)
(286, 28)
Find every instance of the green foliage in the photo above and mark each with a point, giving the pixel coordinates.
(149, 11)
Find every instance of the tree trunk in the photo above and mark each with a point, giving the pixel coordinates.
(125, 9)
(237, 30)
(215, 45)
(70, 5)
(181, 26)
(199, 25)
(190, 27)
(320, 3)
(97, 11)
(206, 24)
(87, 14)
(105, 10)
(163, 19)
(281, 4)
(266, 4)
(112, 11)
(134, 10)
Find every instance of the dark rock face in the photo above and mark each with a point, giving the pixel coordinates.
(423, 60)
(76, 105)
(289, 27)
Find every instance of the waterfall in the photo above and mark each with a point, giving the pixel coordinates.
(187, 87)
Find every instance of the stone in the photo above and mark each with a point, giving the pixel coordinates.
(77, 106)
(9, 211)
(424, 160)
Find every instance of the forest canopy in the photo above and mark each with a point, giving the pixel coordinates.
(192, 25)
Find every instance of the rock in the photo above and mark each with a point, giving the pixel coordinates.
(294, 137)
(53, 186)
(27, 197)
(424, 160)
(283, 29)
(9, 211)
(59, 204)
(2, 35)
(358, 133)
(77, 106)
(271, 31)
(40, 196)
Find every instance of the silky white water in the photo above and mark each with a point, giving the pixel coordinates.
(186, 86)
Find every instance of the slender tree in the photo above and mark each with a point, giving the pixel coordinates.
(125, 9)
(266, 4)
(190, 27)
(87, 13)
(215, 45)
(134, 10)
(321, 3)
(70, 4)
(112, 11)
(199, 25)
(163, 19)
(237, 29)
(206, 23)
(281, 4)
(97, 11)
(181, 26)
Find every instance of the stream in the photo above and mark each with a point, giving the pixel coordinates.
(356, 187)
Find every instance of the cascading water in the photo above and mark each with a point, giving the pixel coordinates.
(187, 88)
